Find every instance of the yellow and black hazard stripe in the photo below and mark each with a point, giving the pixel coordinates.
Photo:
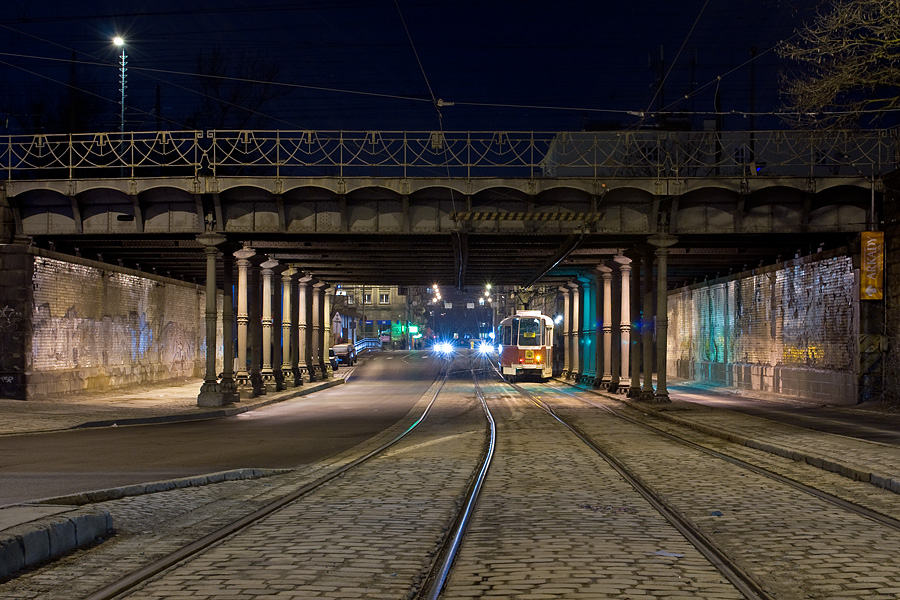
(521, 216)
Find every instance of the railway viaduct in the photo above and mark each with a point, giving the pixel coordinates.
(739, 259)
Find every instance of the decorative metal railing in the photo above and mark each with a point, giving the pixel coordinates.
(623, 154)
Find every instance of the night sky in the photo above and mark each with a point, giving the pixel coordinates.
(366, 65)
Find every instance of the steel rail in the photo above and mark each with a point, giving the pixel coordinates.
(135, 578)
(434, 584)
(741, 580)
(817, 493)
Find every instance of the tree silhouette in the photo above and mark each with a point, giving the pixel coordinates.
(847, 65)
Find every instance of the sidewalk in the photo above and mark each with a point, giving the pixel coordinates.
(30, 533)
(167, 402)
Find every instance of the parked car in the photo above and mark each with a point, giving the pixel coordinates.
(346, 353)
(332, 359)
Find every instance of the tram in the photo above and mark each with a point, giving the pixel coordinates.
(526, 345)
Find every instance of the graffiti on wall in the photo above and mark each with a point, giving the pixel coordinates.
(798, 316)
(111, 323)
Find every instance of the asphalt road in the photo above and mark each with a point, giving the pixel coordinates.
(289, 434)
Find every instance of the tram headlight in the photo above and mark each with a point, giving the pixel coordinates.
(537, 358)
(485, 348)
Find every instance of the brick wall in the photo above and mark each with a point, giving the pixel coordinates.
(94, 327)
(789, 329)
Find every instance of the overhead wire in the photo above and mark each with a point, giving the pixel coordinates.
(662, 82)
(437, 106)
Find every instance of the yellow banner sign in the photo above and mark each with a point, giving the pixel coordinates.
(871, 271)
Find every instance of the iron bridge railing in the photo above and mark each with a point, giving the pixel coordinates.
(622, 154)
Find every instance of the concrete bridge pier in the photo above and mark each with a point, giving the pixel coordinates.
(267, 373)
(289, 357)
(625, 326)
(646, 329)
(605, 331)
(242, 375)
(576, 328)
(304, 341)
(662, 243)
(636, 325)
(211, 392)
(566, 331)
(588, 291)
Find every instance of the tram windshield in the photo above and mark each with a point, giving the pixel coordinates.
(529, 331)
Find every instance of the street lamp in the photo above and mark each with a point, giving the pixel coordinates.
(123, 72)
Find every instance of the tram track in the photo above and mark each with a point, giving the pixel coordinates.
(429, 582)
(577, 512)
(743, 581)
(796, 530)
(843, 503)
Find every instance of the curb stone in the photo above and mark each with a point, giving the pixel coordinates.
(32, 543)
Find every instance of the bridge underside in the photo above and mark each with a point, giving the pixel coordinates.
(457, 259)
(418, 232)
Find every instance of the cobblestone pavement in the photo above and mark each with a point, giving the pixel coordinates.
(368, 534)
(556, 521)
(797, 545)
(580, 521)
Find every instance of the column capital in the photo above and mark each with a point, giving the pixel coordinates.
(662, 240)
(622, 260)
(210, 239)
(604, 271)
(245, 253)
(288, 273)
(269, 264)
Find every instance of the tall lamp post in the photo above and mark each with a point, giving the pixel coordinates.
(123, 72)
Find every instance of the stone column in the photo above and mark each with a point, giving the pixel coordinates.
(606, 276)
(296, 353)
(566, 332)
(229, 388)
(574, 289)
(598, 333)
(634, 389)
(320, 357)
(646, 330)
(287, 321)
(210, 392)
(624, 323)
(242, 376)
(306, 364)
(662, 243)
(315, 363)
(267, 373)
(588, 289)
(327, 341)
(255, 293)
(277, 330)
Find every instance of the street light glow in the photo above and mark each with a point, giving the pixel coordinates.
(119, 42)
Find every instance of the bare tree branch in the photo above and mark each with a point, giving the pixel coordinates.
(847, 71)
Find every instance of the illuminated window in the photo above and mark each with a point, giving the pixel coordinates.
(350, 299)
(384, 298)
(367, 297)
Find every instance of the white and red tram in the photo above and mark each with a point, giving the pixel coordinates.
(526, 345)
